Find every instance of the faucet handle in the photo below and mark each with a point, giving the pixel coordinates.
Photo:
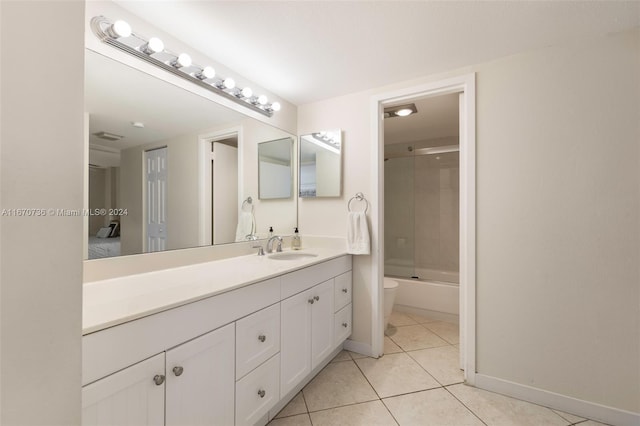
(279, 246)
(260, 249)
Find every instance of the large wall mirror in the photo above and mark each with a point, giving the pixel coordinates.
(169, 169)
(321, 164)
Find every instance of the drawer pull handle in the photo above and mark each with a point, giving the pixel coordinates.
(316, 298)
(178, 370)
(262, 393)
(310, 301)
(158, 379)
(344, 290)
(345, 325)
(262, 338)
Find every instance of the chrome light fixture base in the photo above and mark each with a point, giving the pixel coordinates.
(102, 28)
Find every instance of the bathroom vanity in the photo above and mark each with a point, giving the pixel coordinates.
(219, 343)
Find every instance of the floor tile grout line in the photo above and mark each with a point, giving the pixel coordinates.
(389, 411)
(367, 379)
(345, 405)
(463, 404)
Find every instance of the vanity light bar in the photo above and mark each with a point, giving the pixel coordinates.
(153, 51)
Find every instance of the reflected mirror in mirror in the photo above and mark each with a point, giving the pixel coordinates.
(321, 164)
(275, 175)
(168, 169)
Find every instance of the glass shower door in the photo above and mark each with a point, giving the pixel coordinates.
(399, 210)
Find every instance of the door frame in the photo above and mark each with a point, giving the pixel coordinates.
(204, 178)
(461, 84)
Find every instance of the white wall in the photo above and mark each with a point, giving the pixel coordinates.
(41, 257)
(558, 234)
(557, 213)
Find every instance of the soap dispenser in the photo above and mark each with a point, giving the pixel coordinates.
(296, 242)
(270, 231)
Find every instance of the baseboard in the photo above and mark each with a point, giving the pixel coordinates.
(427, 313)
(359, 347)
(578, 407)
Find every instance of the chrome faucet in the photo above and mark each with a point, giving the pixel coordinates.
(270, 244)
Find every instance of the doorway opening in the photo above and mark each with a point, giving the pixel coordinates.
(220, 171)
(426, 223)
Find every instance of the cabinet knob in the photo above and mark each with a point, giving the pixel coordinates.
(158, 379)
(316, 298)
(311, 301)
(178, 370)
(345, 325)
(344, 290)
(262, 393)
(262, 338)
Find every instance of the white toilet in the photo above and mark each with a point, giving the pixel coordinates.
(390, 289)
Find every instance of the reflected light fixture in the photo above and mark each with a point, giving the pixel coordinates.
(120, 35)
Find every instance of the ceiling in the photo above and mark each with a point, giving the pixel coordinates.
(305, 51)
(437, 117)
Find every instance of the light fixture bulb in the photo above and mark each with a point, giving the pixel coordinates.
(207, 72)
(247, 92)
(404, 112)
(154, 45)
(276, 106)
(119, 29)
(183, 60)
(262, 100)
(229, 83)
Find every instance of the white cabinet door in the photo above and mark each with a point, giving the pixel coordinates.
(295, 340)
(129, 397)
(321, 322)
(201, 380)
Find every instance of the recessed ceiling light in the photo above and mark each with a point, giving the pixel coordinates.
(400, 110)
(138, 124)
(108, 136)
(404, 112)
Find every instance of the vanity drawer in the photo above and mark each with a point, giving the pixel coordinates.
(303, 279)
(257, 339)
(257, 392)
(342, 325)
(342, 291)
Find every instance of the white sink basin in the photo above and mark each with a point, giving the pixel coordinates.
(291, 255)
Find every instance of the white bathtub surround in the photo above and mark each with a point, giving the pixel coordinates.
(436, 300)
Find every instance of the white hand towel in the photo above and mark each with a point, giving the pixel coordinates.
(246, 226)
(358, 241)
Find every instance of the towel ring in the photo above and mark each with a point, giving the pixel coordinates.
(360, 197)
(248, 201)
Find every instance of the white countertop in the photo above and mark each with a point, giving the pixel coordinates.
(115, 301)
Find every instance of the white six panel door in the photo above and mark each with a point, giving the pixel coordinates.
(156, 199)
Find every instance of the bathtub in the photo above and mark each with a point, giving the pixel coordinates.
(431, 298)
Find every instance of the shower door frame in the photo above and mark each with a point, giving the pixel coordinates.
(464, 84)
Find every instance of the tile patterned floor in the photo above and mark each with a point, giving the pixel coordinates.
(416, 383)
